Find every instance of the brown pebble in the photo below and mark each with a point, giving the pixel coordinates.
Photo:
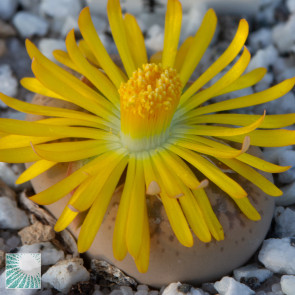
(36, 233)
(6, 30)
(2, 258)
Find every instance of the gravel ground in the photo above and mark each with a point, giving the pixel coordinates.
(25, 228)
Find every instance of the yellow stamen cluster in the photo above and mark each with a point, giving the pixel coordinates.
(150, 89)
(148, 101)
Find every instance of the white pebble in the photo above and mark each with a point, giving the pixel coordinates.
(13, 242)
(97, 7)
(287, 158)
(155, 38)
(142, 287)
(193, 19)
(8, 83)
(283, 35)
(250, 271)
(49, 254)
(260, 39)
(61, 8)
(48, 45)
(264, 83)
(7, 8)
(273, 154)
(172, 289)
(291, 5)
(69, 24)
(263, 58)
(285, 222)
(126, 290)
(66, 273)
(278, 255)
(288, 284)
(288, 197)
(29, 24)
(141, 292)
(11, 217)
(229, 286)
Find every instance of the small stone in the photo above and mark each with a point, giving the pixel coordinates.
(247, 273)
(278, 255)
(6, 191)
(2, 258)
(263, 58)
(141, 292)
(48, 45)
(8, 83)
(66, 273)
(13, 242)
(29, 24)
(287, 158)
(49, 254)
(126, 290)
(142, 287)
(285, 222)
(229, 286)
(7, 8)
(3, 48)
(36, 233)
(6, 30)
(283, 35)
(69, 24)
(61, 8)
(288, 197)
(291, 5)
(260, 39)
(155, 38)
(110, 273)
(97, 7)
(11, 217)
(288, 284)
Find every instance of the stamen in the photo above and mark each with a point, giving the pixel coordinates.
(148, 101)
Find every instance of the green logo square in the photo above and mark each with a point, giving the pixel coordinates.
(23, 271)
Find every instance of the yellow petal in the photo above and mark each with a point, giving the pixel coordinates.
(18, 155)
(247, 80)
(172, 31)
(182, 52)
(14, 126)
(34, 85)
(135, 40)
(119, 34)
(227, 79)
(227, 184)
(64, 220)
(88, 53)
(142, 261)
(64, 58)
(269, 138)
(248, 209)
(252, 175)
(135, 223)
(74, 90)
(92, 188)
(198, 46)
(270, 121)
(269, 94)
(34, 170)
(211, 220)
(95, 45)
(220, 152)
(119, 240)
(222, 62)
(194, 216)
(178, 167)
(95, 76)
(97, 211)
(47, 110)
(156, 58)
(173, 210)
(73, 151)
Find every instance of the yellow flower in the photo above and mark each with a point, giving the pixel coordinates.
(146, 120)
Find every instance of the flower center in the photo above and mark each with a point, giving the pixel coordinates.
(148, 101)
